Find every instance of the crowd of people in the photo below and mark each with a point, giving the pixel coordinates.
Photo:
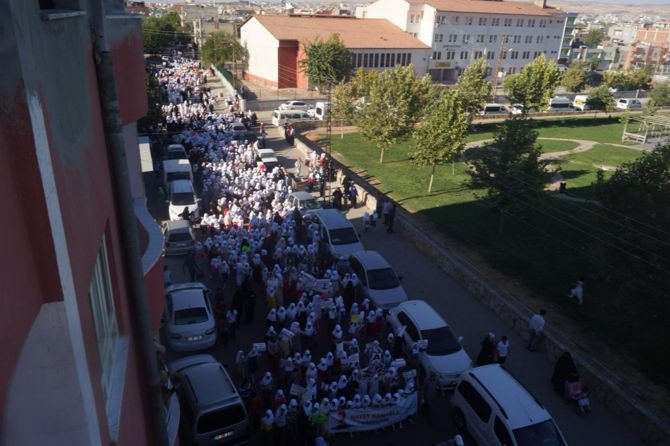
(324, 348)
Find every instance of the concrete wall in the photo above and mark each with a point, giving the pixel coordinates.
(263, 55)
(608, 388)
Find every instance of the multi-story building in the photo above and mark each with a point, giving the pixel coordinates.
(74, 365)
(651, 46)
(276, 45)
(508, 35)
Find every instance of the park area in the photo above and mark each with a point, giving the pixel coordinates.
(551, 244)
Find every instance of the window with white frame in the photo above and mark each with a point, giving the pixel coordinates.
(466, 38)
(513, 54)
(437, 55)
(531, 23)
(519, 22)
(455, 20)
(529, 39)
(525, 55)
(517, 39)
(539, 39)
(468, 20)
(507, 22)
(450, 55)
(453, 38)
(536, 54)
(478, 55)
(490, 55)
(438, 37)
(543, 23)
(464, 55)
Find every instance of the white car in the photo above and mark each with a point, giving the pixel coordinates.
(189, 317)
(295, 105)
(516, 109)
(379, 281)
(628, 104)
(441, 351)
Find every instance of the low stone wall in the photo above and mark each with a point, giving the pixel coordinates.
(608, 389)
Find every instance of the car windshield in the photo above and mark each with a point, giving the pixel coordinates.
(189, 316)
(309, 204)
(215, 420)
(545, 433)
(382, 279)
(343, 236)
(175, 155)
(441, 341)
(176, 237)
(182, 199)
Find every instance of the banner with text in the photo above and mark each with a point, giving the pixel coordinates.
(357, 420)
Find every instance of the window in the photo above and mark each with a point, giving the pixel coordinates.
(490, 55)
(365, 60)
(480, 38)
(453, 38)
(543, 23)
(478, 55)
(388, 60)
(449, 55)
(466, 38)
(411, 329)
(519, 22)
(516, 39)
(468, 21)
(392, 60)
(439, 37)
(529, 39)
(455, 19)
(464, 55)
(112, 347)
(536, 54)
(493, 38)
(526, 55)
(501, 432)
(495, 21)
(376, 60)
(437, 55)
(482, 21)
(507, 22)
(539, 39)
(514, 55)
(409, 58)
(531, 23)
(475, 400)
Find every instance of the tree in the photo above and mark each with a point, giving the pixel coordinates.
(161, 33)
(601, 98)
(629, 80)
(221, 47)
(660, 96)
(574, 79)
(510, 169)
(441, 136)
(394, 104)
(473, 88)
(535, 85)
(594, 37)
(327, 62)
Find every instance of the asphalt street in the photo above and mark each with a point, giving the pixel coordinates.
(469, 318)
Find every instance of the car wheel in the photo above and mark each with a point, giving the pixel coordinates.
(459, 420)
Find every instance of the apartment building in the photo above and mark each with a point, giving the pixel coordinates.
(651, 46)
(508, 35)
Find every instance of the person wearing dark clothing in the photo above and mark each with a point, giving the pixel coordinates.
(191, 266)
(185, 214)
(391, 218)
(353, 195)
(564, 368)
(337, 199)
(488, 352)
(349, 294)
(249, 301)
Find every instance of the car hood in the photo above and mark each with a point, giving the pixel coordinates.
(386, 299)
(347, 250)
(454, 363)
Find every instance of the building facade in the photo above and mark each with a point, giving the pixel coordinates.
(276, 45)
(72, 371)
(651, 46)
(508, 35)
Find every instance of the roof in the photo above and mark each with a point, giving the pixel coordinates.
(211, 384)
(487, 7)
(332, 218)
(355, 33)
(520, 406)
(422, 314)
(371, 260)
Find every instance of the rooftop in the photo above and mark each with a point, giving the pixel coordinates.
(487, 7)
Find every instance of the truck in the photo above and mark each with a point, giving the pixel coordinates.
(321, 110)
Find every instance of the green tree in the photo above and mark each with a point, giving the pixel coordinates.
(395, 103)
(601, 98)
(629, 80)
(154, 113)
(535, 85)
(221, 47)
(594, 37)
(441, 137)
(327, 62)
(161, 33)
(510, 169)
(660, 95)
(473, 88)
(574, 79)
(343, 106)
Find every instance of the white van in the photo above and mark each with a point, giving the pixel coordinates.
(337, 234)
(580, 103)
(278, 116)
(559, 104)
(497, 410)
(494, 109)
(321, 110)
(176, 169)
(181, 195)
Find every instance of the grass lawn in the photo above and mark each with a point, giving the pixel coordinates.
(546, 249)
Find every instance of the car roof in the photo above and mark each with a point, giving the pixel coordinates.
(300, 195)
(175, 147)
(177, 224)
(174, 165)
(371, 260)
(521, 407)
(209, 380)
(423, 315)
(186, 297)
(181, 186)
(331, 218)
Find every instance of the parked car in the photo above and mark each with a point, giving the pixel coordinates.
(181, 196)
(304, 201)
(441, 351)
(494, 109)
(238, 129)
(179, 238)
(559, 104)
(516, 109)
(213, 412)
(175, 152)
(628, 104)
(379, 281)
(189, 317)
(337, 235)
(295, 105)
(580, 103)
(497, 410)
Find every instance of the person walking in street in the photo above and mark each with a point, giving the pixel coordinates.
(391, 218)
(191, 267)
(429, 395)
(488, 350)
(337, 199)
(577, 292)
(536, 330)
(502, 350)
(353, 195)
